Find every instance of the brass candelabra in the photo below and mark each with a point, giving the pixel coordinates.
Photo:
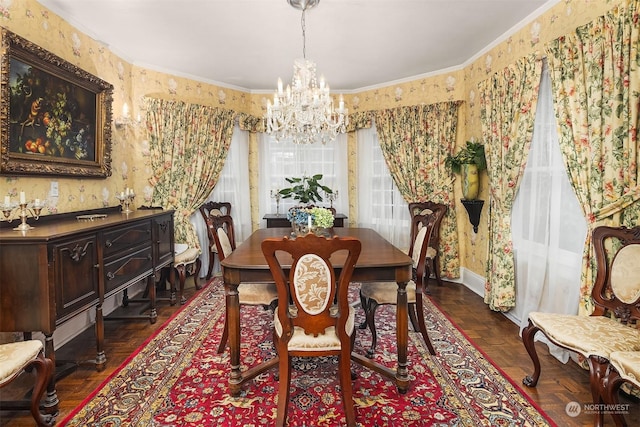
(126, 200)
(332, 197)
(23, 211)
(276, 195)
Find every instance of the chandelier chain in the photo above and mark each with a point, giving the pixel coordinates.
(304, 35)
(304, 113)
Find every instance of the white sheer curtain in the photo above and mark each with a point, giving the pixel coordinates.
(549, 229)
(380, 204)
(233, 187)
(284, 159)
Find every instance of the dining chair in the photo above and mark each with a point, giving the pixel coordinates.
(613, 324)
(262, 293)
(186, 260)
(18, 357)
(374, 294)
(208, 210)
(433, 256)
(318, 319)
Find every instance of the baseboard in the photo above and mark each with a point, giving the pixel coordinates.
(471, 280)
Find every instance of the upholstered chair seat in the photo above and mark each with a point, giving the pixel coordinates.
(613, 325)
(327, 340)
(627, 363)
(624, 368)
(385, 292)
(17, 357)
(588, 335)
(182, 262)
(257, 293)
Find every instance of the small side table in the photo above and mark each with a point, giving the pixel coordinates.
(278, 221)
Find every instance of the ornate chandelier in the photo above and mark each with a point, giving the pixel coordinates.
(304, 111)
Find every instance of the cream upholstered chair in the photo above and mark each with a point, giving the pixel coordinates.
(433, 257)
(374, 294)
(209, 210)
(185, 259)
(264, 294)
(17, 357)
(318, 319)
(624, 367)
(613, 325)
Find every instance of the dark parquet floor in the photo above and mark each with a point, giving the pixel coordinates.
(492, 332)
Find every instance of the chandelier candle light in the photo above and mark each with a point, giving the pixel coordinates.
(304, 113)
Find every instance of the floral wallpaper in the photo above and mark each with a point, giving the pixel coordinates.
(130, 149)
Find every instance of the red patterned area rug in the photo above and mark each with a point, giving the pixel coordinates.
(177, 379)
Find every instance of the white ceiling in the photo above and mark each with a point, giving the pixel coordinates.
(248, 44)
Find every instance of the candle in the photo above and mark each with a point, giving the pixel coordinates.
(309, 221)
(122, 195)
(126, 191)
(23, 198)
(37, 202)
(7, 200)
(125, 110)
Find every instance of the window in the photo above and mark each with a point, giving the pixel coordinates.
(548, 226)
(280, 160)
(233, 187)
(380, 204)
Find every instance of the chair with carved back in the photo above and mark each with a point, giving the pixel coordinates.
(186, 261)
(265, 294)
(433, 257)
(18, 357)
(374, 294)
(624, 367)
(613, 325)
(318, 319)
(208, 210)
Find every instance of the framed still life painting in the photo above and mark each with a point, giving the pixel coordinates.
(55, 119)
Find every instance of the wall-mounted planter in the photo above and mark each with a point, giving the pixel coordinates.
(474, 209)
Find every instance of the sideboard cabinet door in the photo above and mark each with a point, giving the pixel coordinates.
(76, 275)
(163, 238)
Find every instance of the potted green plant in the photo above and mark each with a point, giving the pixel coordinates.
(306, 189)
(468, 162)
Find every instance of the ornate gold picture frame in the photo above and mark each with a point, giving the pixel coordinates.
(55, 119)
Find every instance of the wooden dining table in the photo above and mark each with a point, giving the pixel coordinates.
(379, 261)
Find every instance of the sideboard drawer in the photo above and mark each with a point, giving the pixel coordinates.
(127, 269)
(125, 238)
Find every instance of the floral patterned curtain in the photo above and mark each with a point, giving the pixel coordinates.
(508, 103)
(595, 75)
(188, 146)
(415, 142)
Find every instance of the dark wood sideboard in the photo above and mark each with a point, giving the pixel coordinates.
(279, 221)
(66, 266)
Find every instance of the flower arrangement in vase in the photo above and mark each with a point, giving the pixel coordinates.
(310, 219)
